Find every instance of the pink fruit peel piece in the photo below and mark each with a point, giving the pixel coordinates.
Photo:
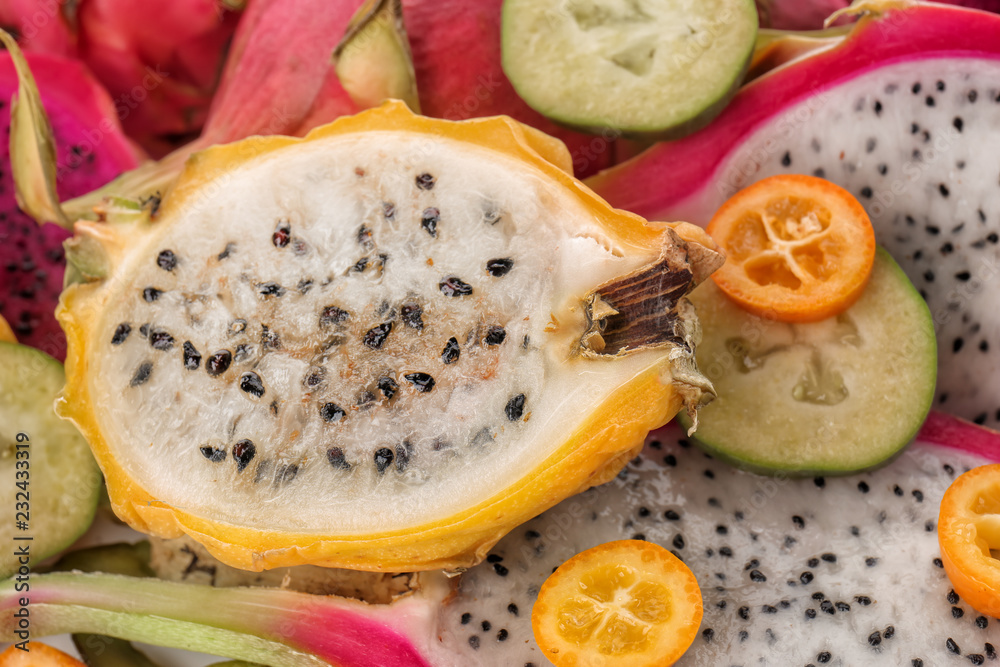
(279, 71)
(39, 25)
(227, 621)
(162, 72)
(949, 431)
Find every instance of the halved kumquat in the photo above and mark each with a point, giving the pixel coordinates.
(626, 603)
(969, 535)
(798, 248)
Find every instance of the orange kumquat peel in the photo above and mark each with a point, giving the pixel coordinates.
(37, 655)
(969, 534)
(626, 603)
(798, 248)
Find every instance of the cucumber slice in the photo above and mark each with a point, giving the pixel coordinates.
(826, 398)
(60, 490)
(655, 69)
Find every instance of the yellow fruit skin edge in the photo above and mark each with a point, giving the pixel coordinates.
(591, 455)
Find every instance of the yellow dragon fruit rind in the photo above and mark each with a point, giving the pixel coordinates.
(590, 455)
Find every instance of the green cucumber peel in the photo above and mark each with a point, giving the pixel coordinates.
(828, 398)
(648, 70)
(45, 463)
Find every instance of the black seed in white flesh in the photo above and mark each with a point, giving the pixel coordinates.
(376, 336)
(282, 234)
(166, 260)
(151, 294)
(332, 315)
(160, 340)
(499, 267)
(251, 383)
(219, 362)
(495, 335)
(227, 251)
(192, 358)
(243, 453)
(454, 286)
(142, 374)
(271, 289)
(412, 315)
(404, 451)
(331, 412)
(429, 220)
(121, 333)
(422, 382)
(213, 454)
(383, 458)
(337, 459)
(451, 351)
(314, 378)
(425, 181)
(388, 387)
(515, 408)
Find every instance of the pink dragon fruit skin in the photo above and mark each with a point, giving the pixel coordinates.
(39, 25)
(91, 151)
(160, 60)
(278, 79)
(904, 113)
(810, 14)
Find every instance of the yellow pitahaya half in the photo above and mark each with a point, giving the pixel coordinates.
(904, 112)
(381, 347)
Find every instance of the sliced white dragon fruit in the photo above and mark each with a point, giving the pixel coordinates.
(836, 571)
(904, 113)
